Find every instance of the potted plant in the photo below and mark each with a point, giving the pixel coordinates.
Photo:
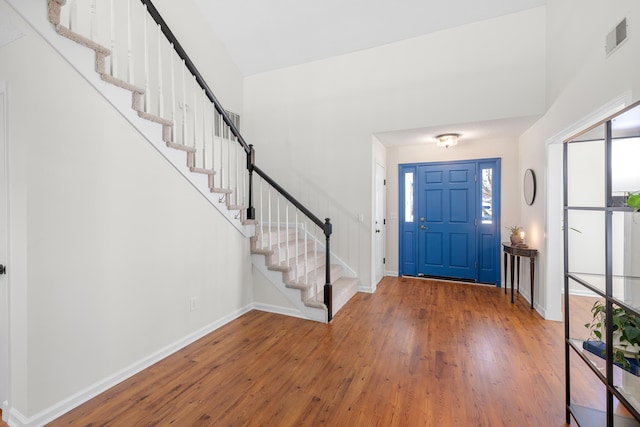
(516, 237)
(626, 332)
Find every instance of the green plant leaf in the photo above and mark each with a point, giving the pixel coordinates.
(633, 201)
(632, 333)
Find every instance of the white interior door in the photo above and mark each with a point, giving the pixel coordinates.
(379, 223)
(4, 244)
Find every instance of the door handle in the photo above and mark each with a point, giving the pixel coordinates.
(3, 269)
(424, 227)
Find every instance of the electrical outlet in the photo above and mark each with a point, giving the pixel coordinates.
(192, 304)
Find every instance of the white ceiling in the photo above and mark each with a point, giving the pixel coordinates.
(264, 35)
(489, 130)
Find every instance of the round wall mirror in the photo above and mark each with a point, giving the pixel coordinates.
(529, 186)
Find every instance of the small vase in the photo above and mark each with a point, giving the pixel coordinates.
(516, 239)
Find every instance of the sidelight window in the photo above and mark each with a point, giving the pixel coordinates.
(408, 197)
(487, 196)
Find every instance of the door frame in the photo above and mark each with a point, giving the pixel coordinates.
(379, 188)
(5, 362)
(494, 256)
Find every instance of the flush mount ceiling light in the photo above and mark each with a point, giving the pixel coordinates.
(446, 140)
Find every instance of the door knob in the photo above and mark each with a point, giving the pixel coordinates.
(3, 269)
(377, 231)
(424, 227)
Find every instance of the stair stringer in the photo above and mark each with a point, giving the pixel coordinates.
(83, 59)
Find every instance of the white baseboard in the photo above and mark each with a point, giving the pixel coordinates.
(291, 312)
(16, 419)
(366, 289)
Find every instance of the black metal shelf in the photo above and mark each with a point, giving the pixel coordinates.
(589, 417)
(618, 383)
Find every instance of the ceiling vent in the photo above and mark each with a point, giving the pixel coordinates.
(616, 37)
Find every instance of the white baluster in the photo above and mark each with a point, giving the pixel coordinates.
(269, 211)
(245, 173)
(306, 251)
(129, 44)
(112, 35)
(73, 15)
(204, 129)
(173, 96)
(184, 107)
(93, 30)
(222, 168)
(160, 82)
(278, 239)
(315, 262)
(237, 165)
(297, 254)
(261, 218)
(195, 112)
(228, 143)
(213, 137)
(145, 48)
(286, 228)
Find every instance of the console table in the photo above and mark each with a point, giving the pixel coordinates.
(517, 252)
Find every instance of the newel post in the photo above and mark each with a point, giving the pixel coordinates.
(251, 161)
(328, 291)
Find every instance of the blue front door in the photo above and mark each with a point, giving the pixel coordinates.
(449, 220)
(446, 220)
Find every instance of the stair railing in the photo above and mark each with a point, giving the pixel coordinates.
(290, 232)
(129, 47)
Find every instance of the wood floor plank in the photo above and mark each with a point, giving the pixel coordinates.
(416, 353)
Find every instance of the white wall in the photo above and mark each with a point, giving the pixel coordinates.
(108, 242)
(582, 81)
(312, 124)
(510, 189)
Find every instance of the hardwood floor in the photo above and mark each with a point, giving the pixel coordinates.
(415, 353)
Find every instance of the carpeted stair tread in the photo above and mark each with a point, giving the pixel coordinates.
(317, 276)
(181, 147)
(97, 47)
(291, 244)
(221, 190)
(343, 290)
(236, 207)
(202, 170)
(122, 84)
(154, 118)
(314, 304)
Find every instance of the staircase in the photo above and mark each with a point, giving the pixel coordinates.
(301, 262)
(136, 52)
